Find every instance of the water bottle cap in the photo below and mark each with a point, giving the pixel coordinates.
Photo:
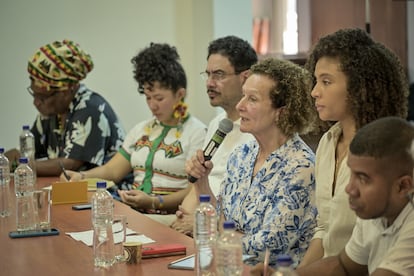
(228, 224)
(204, 198)
(23, 160)
(101, 185)
(284, 260)
(26, 127)
(1, 150)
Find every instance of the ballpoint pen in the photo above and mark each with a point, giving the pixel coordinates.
(266, 261)
(64, 171)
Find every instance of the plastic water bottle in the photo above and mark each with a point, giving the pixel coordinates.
(4, 185)
(27, 148)
(229, 251)
(23, 186)
(284, 266)
(102, 216)
(205, 234)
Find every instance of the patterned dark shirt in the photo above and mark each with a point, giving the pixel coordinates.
(93, 132)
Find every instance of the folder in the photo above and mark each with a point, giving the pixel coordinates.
(69, 192)
(162, 250)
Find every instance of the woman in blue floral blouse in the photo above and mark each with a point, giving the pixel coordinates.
(268, 188)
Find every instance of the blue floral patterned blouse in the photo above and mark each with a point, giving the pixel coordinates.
(275, 208)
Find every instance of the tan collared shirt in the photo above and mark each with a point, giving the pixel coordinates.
(335, 219)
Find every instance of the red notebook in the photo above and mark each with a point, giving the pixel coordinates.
(162, 250)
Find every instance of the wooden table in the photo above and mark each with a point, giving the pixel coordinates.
(62, 255)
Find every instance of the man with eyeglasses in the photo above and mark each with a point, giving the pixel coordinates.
(380, 191)
(228, 62)
(76, 127)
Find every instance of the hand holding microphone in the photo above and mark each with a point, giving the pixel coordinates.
(225, 126)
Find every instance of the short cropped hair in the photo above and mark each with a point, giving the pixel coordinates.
(386, 138)
(376, 83)
(238, 51)
(291, 91)
(159, 63)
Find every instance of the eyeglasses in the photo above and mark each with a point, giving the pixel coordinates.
(42, 98)
(410, 196)
(216, 75)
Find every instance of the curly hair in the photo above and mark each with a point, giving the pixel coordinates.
(291, 91)
(159, 63)
(376, 83)
(239, 52)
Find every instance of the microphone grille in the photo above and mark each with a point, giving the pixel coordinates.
(225, 125)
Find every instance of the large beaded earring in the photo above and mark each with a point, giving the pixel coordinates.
(180, 113)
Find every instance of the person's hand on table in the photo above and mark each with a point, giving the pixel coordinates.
(184, 222)
(136, 198)
(13, 155)
(73, 176)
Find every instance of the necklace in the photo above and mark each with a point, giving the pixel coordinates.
(61, 123)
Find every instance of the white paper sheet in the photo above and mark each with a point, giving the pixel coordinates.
(87, 237)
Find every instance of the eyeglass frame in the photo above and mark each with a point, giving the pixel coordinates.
(42, 98)
(410, 197)
(217, 75)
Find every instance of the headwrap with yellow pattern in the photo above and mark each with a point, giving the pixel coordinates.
(59, 63)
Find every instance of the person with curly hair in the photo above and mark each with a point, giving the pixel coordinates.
(268, 187)
(156, 149)
(380, 193)
(357, 81)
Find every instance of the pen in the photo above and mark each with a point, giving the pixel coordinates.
(64, 171)
(184, 258)
(266, 261)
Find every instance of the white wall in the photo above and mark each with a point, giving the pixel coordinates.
(233, 17)
(112, 32)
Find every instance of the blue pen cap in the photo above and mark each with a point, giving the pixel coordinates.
(228, 224)
(1, 150)
(284, 260)
(23, 160)
(204, 198)
(101, 185)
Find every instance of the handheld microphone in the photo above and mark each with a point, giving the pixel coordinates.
(225, 126)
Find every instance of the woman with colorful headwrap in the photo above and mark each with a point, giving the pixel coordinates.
(157, 149)
(75, 126)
